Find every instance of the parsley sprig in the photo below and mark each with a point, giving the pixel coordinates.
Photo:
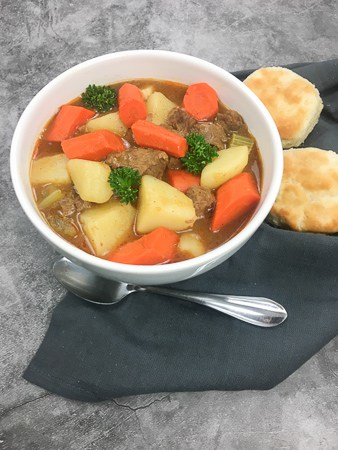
(199, 154)
(125, 183)
(100, 98)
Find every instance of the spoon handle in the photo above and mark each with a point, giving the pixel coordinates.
(259, 311)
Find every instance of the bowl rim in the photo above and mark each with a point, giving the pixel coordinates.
(87, 259)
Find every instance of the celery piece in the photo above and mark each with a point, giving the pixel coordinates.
(62, 226)
(50, 199)
(237, 140)
(48, 189)
(69, 230)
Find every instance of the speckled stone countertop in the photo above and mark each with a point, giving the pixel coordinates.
(41, 39)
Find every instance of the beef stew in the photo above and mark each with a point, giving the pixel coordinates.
(92, 216)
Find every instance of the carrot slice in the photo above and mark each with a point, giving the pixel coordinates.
(201, 101)
(182, 180)
(68, 119)
(147, 134)
(93, 146)
(157, 247)
(132, 106)
(233, 199)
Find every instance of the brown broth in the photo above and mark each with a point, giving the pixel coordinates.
(175, 92)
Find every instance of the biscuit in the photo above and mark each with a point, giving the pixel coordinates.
(293, 102)
(308, 195)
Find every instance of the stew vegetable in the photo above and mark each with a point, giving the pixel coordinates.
(146, 172)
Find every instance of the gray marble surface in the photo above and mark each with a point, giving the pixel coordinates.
(40, 39)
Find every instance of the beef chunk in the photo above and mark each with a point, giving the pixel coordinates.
(174, 163)
(146, 160)
(213, 133)
(230, 121)
(67, 205)
(179, 121)
(80, 204)
(72, 203)
(203, 199)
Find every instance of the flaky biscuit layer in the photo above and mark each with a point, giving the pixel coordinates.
(293, 102)
(308, 196)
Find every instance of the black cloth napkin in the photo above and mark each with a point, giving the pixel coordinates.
(152, 343)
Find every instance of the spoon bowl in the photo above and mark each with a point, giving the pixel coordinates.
(93, 288)
(88, 285)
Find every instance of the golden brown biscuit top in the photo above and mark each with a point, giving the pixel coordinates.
(308, 196)
(289, 98)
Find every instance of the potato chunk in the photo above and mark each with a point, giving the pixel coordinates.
(111, 122)
(161, 205)
(190, 245)
(159, 106)
(147, 91)
(90, 179)
(229, 163)
(108, 226)
(50, 169)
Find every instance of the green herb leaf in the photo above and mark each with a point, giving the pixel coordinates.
(125, 183)
(100, 98)
(199, 154)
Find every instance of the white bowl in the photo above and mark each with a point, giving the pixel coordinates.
(161, 65)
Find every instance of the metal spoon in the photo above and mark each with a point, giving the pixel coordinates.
(95, 289)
